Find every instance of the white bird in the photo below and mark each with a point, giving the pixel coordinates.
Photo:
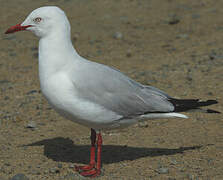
(92, 94)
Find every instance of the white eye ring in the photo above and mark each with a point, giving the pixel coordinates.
(38, 19)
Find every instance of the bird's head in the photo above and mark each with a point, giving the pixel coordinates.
(43, 21)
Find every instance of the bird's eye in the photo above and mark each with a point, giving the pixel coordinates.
(38, 19)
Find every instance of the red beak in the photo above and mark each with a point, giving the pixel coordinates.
(16, 28)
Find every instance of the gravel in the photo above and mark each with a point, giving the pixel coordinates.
(192, 177)
(19, 177)
(73, 176)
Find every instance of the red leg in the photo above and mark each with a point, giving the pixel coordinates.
(99, 144)
(97, 170)
(92, 160)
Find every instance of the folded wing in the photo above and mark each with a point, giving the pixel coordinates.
(114, 91)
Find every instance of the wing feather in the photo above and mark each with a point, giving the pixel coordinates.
(115, 91)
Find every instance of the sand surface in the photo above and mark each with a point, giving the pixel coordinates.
(173, 45)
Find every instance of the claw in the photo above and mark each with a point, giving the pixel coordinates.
(85, 168)
(92, 173)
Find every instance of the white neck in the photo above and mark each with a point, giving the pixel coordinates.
(55, 52)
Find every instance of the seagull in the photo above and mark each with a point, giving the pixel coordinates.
(92, 94)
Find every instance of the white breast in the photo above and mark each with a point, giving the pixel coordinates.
(61, 94)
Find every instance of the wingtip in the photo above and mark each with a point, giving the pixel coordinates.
(212, 101)
(213, 111)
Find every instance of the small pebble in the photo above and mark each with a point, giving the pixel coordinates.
(32, 92)
(124, 19)
(71, 166)
(34, 48)
(173, 162)
(54, 170)
(163, 170)
(174, 19)
(31, 124)
(107, 16)
(36, 55)
(59, 165)
(196, 16)
(7, 164)
(182, 36)
(35, 172)
(128, 54)
(10, 37)
(19, 177)
(143, 124)
(210, 93)
(117, 35)
(75, 37)
(12, 54)
(189, 78)
(6, 98)
(4, 81)
(72, 176)
(192, 177)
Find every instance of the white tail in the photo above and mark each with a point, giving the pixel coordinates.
(163, 115)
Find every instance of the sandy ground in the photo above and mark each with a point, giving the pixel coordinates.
(173, 45)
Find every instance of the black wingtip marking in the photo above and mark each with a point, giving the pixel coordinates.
(213, 111)
(181, 105)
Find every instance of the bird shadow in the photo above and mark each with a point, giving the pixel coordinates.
(64, 150)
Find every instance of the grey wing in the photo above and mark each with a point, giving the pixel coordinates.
(157, 91)
(114, 91)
